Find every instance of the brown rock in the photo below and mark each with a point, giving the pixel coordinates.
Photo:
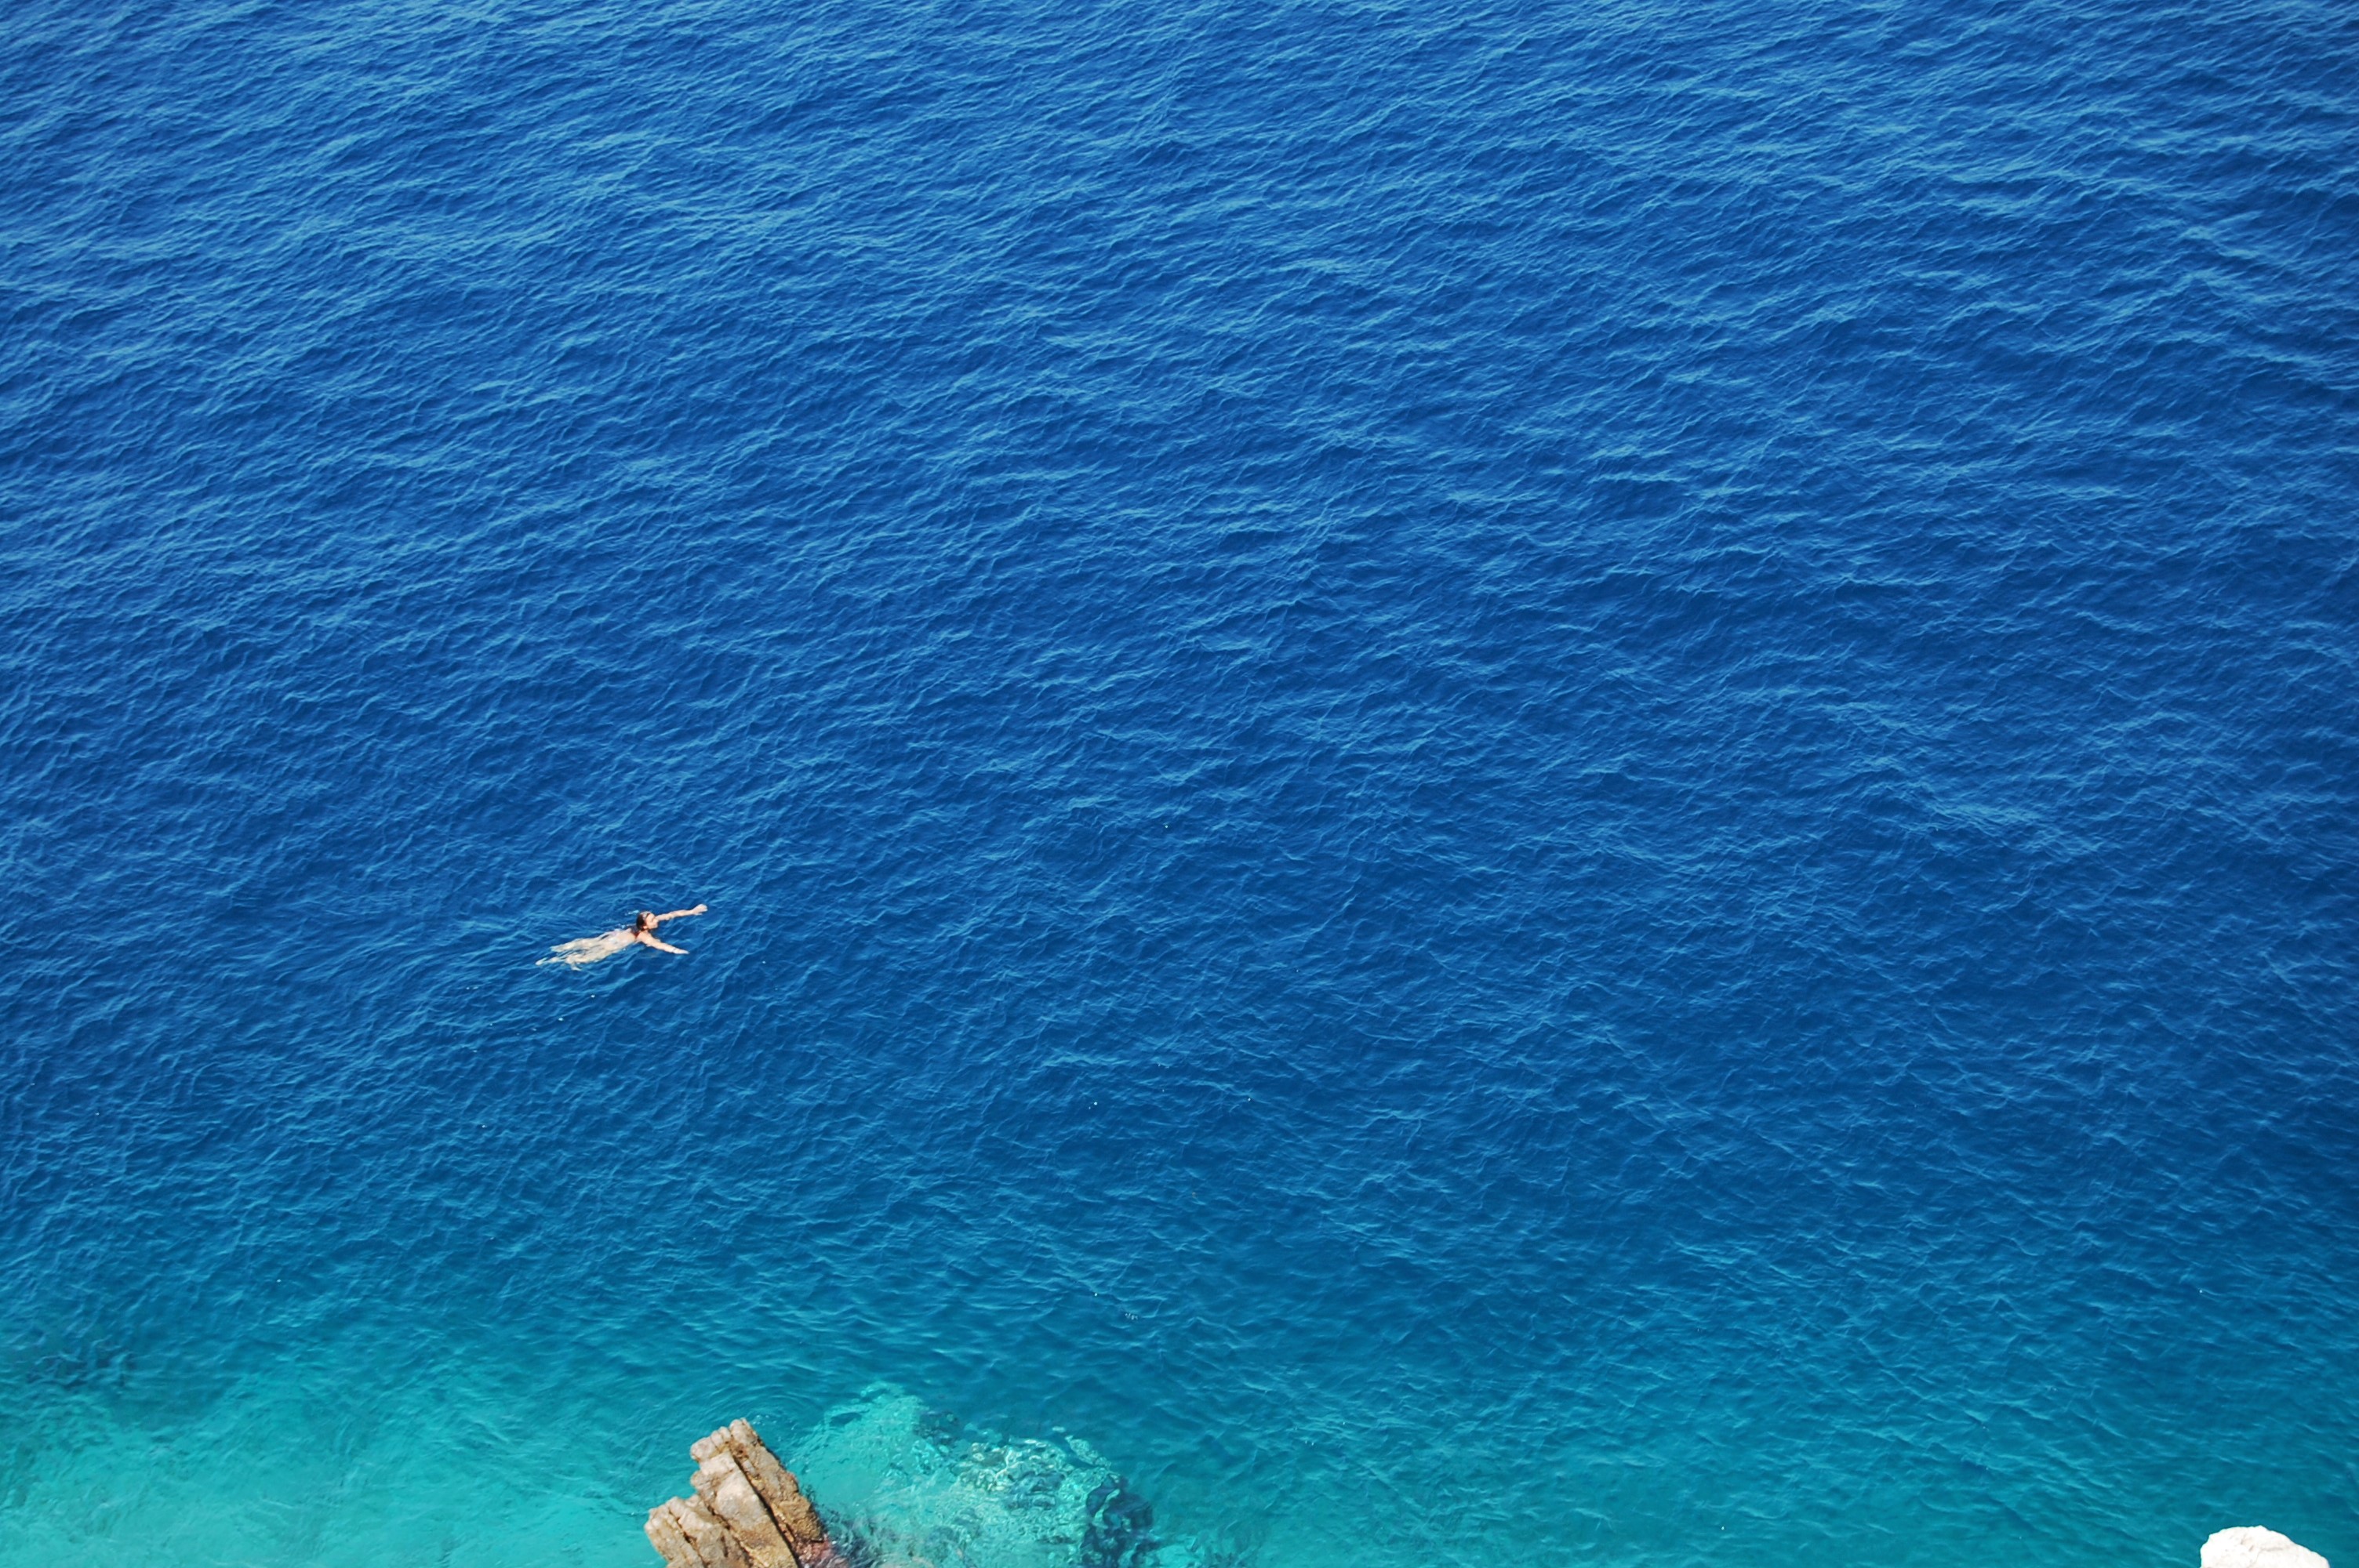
(778, 1487)
(724, 1489)
(748, 1511)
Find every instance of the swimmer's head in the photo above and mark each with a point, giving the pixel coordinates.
(646, 921)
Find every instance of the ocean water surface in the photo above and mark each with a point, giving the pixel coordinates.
(1480, 784)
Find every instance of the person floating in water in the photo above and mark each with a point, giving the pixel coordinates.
(639, 933)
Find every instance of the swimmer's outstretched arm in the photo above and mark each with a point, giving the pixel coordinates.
(664, 946)
(678, 913)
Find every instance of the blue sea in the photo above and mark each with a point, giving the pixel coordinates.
(1492, 782)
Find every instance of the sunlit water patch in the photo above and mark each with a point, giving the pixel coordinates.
(918, 1488)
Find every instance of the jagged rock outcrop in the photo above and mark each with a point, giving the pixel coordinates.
(748, 1511)
(2253, 1547)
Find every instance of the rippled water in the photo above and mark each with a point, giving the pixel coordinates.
(1480, 784)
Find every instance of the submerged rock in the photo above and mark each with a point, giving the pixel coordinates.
(2249, 1546)
(748, 1511)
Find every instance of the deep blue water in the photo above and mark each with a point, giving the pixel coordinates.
(1481, 783)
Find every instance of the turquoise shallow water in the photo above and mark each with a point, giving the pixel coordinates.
(1481, 783)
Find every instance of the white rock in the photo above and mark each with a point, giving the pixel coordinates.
(2253, 1547)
